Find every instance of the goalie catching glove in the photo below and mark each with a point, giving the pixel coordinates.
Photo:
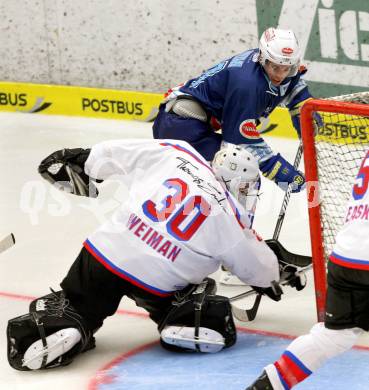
(291, 272)
(64, 169)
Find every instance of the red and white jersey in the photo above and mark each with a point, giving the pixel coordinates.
(178, 224)
(352, 242)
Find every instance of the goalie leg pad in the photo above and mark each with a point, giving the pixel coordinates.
(57, 344)
(199, 312)
(47, 316)
(208, 340)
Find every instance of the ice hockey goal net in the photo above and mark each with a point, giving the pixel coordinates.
(333, 152)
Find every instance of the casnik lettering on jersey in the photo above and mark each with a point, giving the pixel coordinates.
(357, 212)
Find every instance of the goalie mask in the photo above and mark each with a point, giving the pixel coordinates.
(280, 47)
(239, 171)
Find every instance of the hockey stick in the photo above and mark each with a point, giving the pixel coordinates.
(246, 315)
(287, 195)
(250, 314)
(284, 283)
(7, 242)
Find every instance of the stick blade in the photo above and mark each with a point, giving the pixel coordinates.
(240, 314)
(7, 242)
(247, 315)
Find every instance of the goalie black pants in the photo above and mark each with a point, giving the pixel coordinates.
(347, 303)
(95, 292)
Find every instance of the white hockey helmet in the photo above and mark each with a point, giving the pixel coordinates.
(280, 47)
(237, 169)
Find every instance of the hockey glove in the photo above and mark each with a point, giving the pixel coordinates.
(290, 265)
(291, 276)
(274, 292)
(295, 117)
(64, 169)
(283, 173)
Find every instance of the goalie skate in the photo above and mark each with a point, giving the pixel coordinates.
(57, 344)
(184, 337)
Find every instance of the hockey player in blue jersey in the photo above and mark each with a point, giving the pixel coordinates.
(238, 94)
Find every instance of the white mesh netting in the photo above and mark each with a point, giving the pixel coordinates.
(341, 144)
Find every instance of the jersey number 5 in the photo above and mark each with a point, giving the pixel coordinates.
(189, 212)
(362, 180)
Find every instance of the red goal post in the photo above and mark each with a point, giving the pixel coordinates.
(333, 151)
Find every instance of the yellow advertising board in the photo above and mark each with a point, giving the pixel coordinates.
(78, 101)
(105, 104)
(343, 129)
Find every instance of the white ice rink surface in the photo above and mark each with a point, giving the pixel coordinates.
(50, 228)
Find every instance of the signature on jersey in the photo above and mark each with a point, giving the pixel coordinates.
(188, 168)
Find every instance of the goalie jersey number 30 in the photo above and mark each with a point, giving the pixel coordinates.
(184, 222)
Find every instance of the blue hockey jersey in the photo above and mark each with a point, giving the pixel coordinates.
(238, 92)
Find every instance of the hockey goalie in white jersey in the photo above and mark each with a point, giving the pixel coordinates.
(181, 221)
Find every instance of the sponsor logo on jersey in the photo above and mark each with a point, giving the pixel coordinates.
(248, 129)
(287, 50)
